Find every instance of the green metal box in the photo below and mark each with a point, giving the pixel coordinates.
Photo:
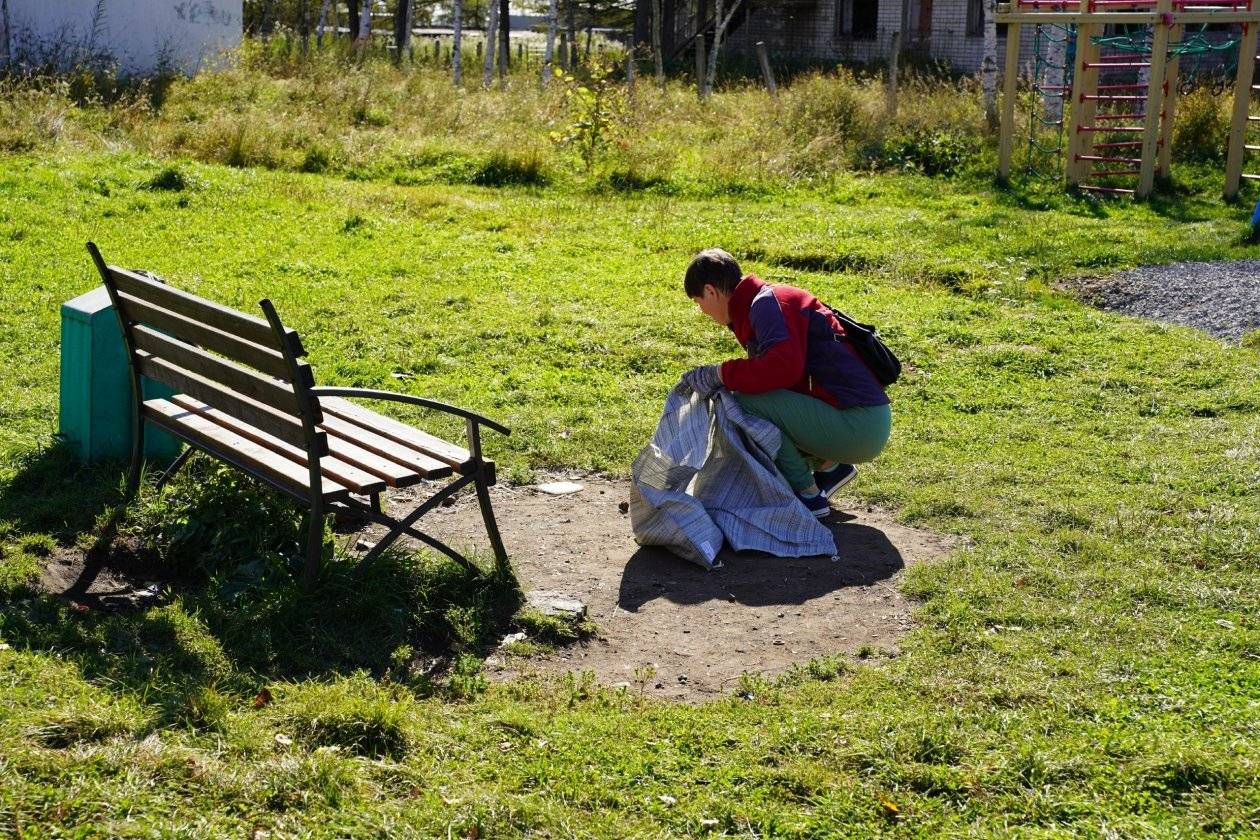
(96, 401)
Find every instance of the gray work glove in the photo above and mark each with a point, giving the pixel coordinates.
(704, 380)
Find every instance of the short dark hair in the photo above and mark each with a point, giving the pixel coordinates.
(712, 267)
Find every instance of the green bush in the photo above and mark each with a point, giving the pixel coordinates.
(929, 151)
(1201, 129)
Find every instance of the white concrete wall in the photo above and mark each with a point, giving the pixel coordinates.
(141, 36)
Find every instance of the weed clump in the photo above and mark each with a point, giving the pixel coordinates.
(355, 714)
(170, 179)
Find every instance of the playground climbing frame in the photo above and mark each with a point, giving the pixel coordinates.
(1122, 88)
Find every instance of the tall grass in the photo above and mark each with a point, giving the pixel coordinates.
(372, 118)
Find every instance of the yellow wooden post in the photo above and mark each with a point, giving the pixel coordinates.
(1081, 113)
(1154, 99)
(1242, 110)
(1010, 79)
(1173, 69)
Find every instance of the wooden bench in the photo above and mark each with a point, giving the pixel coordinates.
(244, 395)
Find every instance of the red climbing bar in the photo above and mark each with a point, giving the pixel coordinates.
(1102, 159)
(1119, 144)
(1111, 129)
(1112, 97)
(1092, 188)
(1120, 64)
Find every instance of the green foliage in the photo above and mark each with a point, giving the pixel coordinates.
(931, 152)
(1201, 130)
(596, 104)
(552, 630)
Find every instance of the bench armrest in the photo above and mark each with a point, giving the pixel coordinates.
(374, 394)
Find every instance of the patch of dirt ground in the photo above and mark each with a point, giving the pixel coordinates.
(700, 630)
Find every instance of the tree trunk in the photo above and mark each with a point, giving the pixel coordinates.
(323, 21)
(365, 23)
(505, 39)
(658, 50)
(402, 26)
(6, 50)
(265, 25)
(571, 25)
(720, 23)
(988, 64)
(304, 25)
(549, 49)
(702, 18)
(457, 37)
(492, 22)
(590, 29)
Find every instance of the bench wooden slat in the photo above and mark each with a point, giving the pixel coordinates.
(391, 472)
(265, 359)
(386, 448)
(270, 392)
(347, 474)
(397, 431)
(284, 426)
(208, 312)
(226, 444)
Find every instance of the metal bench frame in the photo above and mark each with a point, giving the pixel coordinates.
(475, 470)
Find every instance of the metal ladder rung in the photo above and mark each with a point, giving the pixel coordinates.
(1092, 188)
(1104, 159)
(1248, 177)
(1251, 147)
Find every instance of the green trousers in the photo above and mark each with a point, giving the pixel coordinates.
(811, 427)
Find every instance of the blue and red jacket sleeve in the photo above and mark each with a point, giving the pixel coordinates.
(776, 356)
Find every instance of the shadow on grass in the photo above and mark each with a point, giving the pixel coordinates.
(54, 494)
(755, 579)
(228, 611)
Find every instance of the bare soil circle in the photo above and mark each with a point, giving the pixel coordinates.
(698, 630)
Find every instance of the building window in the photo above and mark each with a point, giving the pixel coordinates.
(857, 19)
(975, 18)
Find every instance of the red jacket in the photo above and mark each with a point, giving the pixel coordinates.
(795, 343)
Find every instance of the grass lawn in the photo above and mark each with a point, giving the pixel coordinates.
(1088, 663)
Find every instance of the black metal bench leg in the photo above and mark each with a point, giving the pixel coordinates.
(487, 515)
(174, 467)
(314, 543)
(137, 462)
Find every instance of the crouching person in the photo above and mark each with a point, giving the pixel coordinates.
(801, 375)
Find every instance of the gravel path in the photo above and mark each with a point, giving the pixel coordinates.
(1221, 298)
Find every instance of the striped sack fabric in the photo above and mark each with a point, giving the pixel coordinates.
(708, 477)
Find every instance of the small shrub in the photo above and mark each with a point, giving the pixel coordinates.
(596, 108)
(501, 170)
(552, 630)
(171, 179)
(1251, 340)
(1201, 129)
(317, 159)
(466, 681)
(928, 151)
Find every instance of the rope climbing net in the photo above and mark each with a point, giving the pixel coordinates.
(1054, 56)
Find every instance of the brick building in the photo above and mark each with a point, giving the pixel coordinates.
(950, 31)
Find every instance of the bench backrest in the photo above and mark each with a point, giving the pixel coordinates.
(245, 366)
